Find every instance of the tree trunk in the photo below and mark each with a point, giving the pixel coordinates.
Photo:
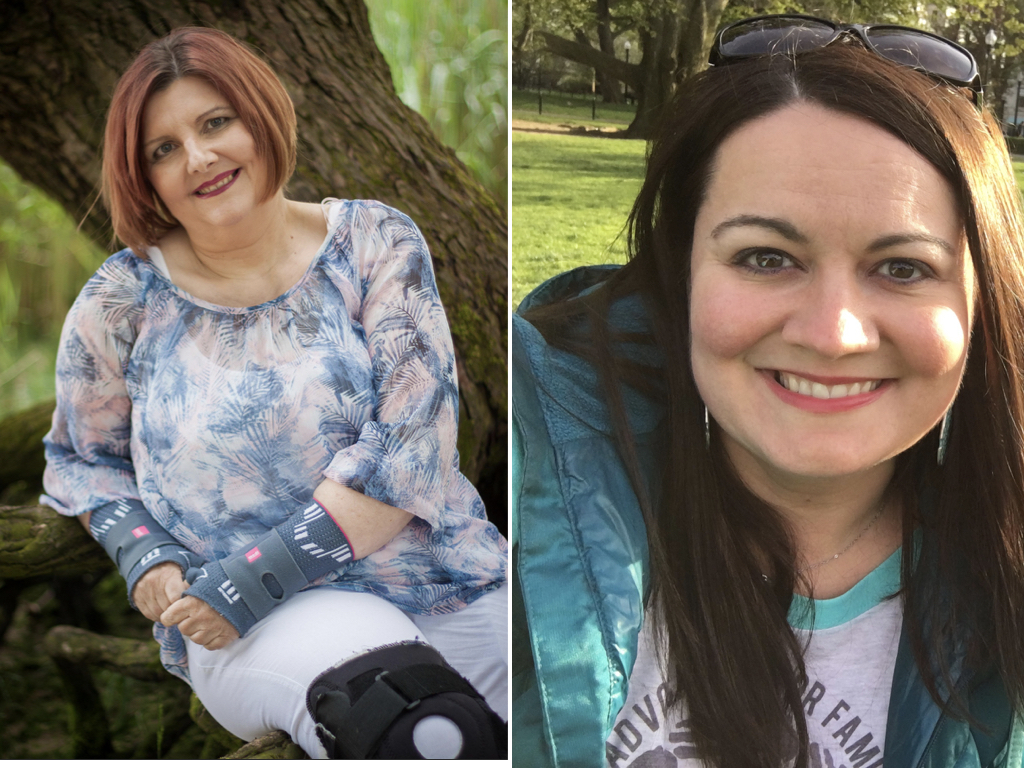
(659, 42)
(59, 61)
(697, 35)
(610, 89)
(21, 453)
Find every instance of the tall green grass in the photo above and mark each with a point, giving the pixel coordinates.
(449, 62)
(43, 263)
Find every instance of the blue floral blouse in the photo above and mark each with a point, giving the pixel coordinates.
(224, 420)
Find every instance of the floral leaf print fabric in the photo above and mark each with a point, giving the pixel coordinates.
(224, 420)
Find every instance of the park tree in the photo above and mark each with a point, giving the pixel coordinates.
(974, 25)
(59, 61)
(674, 36)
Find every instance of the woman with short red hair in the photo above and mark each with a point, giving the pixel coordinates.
(257, 417)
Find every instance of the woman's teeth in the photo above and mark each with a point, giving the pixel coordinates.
(222, 183)
(822, 392)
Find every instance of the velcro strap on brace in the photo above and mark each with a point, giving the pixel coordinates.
(390, 694)
(264, 573)
(128, 533)
(358, 704)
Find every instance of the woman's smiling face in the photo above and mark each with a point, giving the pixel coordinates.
(201, 159)
(832, 295)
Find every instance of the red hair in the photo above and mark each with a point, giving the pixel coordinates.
(139, 218)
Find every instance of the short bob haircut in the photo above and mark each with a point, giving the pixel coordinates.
(139, 218)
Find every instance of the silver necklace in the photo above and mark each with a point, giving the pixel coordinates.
(849, 546)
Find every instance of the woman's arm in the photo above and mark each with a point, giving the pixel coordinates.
(405, 456)
(89, 465)
(368, 524)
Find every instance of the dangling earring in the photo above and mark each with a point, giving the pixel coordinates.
(944, 435)
(707, 429)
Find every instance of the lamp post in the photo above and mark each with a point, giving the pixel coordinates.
(540, 98)
(1016, 106)
(990, 40)
(627, 47)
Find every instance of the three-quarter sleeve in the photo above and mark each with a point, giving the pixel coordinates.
(405, 455)
(88, 456)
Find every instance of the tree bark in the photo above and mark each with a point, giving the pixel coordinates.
(273, 746)
(696, 36)
(659, 39)
(59, 62)
(137, 659)
(36, 541)
(21, 451)
(610, 90)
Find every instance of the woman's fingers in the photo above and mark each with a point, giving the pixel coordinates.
(199, 623)
(157, 589)
(177, 611)
(217, 643)
(173, 587)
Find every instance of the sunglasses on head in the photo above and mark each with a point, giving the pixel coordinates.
(793, 33)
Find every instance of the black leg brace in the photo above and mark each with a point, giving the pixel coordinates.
(378, 704)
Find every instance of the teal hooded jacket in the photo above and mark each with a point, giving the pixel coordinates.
(580, 574)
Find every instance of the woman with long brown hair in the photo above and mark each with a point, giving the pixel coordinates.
(768, 486)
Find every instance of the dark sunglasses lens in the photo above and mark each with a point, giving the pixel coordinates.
(761, 36)
(923, 52)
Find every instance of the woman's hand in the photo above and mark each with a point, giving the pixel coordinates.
(158, 589)
(197, 621)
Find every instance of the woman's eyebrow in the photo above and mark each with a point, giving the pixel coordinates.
(790, 232)
(781, 226)
(197, 121)
(890, 241)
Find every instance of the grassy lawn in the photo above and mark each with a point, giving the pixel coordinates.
(1018, 172)
(570, 196)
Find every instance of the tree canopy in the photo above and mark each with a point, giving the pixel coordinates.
(670, 39)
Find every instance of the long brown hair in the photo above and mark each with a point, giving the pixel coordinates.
(731, 653)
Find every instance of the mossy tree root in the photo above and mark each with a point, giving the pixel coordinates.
(36, 541)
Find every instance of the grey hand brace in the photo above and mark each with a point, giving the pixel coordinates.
(136, 542)
(250, 582)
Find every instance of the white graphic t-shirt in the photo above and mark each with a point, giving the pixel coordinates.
(850, 661)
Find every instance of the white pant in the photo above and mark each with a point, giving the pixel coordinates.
(258, 683)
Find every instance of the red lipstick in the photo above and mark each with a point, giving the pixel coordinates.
(214, 181)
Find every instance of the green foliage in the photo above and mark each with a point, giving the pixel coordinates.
(864, 11)
(449, 63)
(570, 199)
(44, 261)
